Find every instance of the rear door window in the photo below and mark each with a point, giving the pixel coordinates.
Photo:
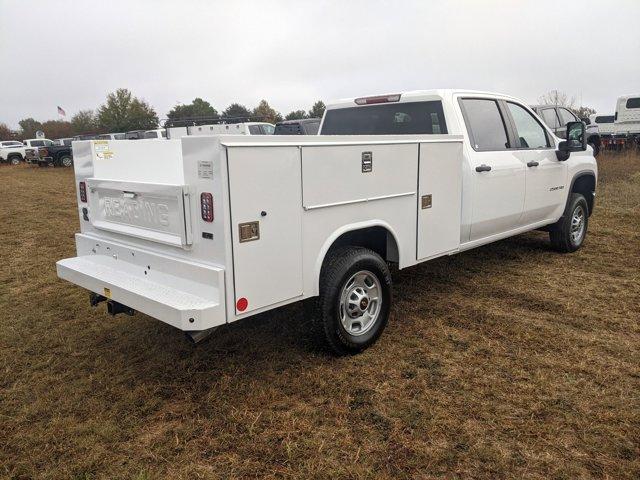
(37, 143)
(529, 133)
(633, 102)
(255, 130)
(485, 125)
(386, 119)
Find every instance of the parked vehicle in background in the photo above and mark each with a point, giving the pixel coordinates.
(306, 126)
(203, 231)
(244, 128)
(627, 119)
(55, 156)
(63, 141)
(158, 134)
(15, 152)
(135, 135)
(36, 143)
(557, 117)
(606, 129)
(110, 136)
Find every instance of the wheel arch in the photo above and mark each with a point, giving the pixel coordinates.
(584, 183)
(377, 235)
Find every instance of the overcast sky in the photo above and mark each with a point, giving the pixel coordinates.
(294, 52)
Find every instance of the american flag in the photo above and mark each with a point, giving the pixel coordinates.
(61, 112)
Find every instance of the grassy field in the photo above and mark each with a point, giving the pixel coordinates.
(508, 361)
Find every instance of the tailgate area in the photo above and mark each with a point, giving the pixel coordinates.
(184, 294)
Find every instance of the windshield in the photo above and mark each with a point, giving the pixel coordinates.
(11, 144)
(386, 119)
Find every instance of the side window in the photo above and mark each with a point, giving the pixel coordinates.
(37, 143)
(529, 132)
(485, 124)
(255, 130)
(566, 116)
(633, 103)
(550, 118)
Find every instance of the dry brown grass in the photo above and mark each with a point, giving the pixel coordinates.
(509, 361)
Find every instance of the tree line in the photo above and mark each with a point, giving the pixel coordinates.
(122, 112)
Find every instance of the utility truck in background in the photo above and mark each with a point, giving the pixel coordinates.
(606, 129)
(627, 119)
(207, 230)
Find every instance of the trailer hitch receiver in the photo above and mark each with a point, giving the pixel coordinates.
(114, 308)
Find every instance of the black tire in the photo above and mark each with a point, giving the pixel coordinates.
(65, 161)
(338, 287)
(596, 149)
(15, 159)
(564, 235)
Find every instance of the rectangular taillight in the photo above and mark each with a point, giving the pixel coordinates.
(83, 192)
(206, 206)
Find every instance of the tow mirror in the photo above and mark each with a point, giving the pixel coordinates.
(576, 141)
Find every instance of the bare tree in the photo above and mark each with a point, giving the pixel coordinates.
(556, 97)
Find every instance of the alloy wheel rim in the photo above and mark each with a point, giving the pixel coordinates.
(360, 303)
(577, 224)
(66, 161)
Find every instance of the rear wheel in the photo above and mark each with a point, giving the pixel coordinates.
(355, 297)
(569, 233)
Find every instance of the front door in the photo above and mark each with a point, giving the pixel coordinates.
(545, 175)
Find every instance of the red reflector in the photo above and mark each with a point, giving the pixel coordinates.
(206, 206)
(242, 304)
(378, 99)
(83, 192)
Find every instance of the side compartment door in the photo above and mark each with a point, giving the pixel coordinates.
(498, 176)
(439, 199)
(266, 225)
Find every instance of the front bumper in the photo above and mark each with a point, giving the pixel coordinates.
(184, 294)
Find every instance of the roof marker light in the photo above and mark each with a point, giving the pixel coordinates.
(378, 99)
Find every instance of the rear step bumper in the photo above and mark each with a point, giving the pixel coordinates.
(184, 294)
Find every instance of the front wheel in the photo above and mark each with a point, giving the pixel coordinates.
(15, 160)
(66, 161)
(355, 297)
(596, 149)
(569, 233)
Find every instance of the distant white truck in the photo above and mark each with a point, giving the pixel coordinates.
(627, 119)
(244, 128)
(606, 128)
(207, 230)
(15, 152)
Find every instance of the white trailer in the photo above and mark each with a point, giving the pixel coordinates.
(207, 230)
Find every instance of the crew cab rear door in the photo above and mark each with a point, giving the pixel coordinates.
(497, 174)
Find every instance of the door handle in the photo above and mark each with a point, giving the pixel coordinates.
(532, 163)
(483, 168)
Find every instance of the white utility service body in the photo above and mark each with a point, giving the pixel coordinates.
(143, 244)
(206, 230)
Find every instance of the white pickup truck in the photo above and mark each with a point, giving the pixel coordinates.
(206, 230)
(14, 152)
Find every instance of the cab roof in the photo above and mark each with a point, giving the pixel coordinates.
(416, 96)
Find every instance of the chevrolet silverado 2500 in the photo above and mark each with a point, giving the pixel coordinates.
(202, 231)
